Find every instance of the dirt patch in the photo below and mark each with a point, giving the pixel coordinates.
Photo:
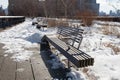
(1, 49)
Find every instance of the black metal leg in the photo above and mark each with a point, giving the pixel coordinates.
(69, 66)
(44, 46)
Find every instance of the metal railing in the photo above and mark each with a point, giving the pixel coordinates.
(7, 21)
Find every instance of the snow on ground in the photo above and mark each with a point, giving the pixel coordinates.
(95, 43)
(107, 65)
(77, 75)
(20, 37)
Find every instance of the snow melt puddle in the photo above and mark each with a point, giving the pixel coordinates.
(20, 37)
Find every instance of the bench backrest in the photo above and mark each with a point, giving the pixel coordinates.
(71, 35)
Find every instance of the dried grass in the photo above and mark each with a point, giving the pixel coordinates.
(115, 48)
(85, 70)
(111, 30)
(86, 17)
(52, 23)
(56, 23)
(90, 76)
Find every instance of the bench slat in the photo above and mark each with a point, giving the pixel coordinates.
(77, 57)
(75, 35)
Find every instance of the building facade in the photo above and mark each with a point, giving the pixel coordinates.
(1, 11)
(89, 6)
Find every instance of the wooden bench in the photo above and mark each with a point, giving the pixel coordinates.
(69, 49)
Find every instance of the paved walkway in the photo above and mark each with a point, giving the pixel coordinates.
(33, 69)
(36, 68)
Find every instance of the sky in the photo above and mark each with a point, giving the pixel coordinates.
(4, 3)
(105, 5)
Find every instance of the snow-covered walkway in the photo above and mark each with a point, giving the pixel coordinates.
(19, 38)
(19, 54)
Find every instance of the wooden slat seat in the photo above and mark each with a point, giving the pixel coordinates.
(77, 57)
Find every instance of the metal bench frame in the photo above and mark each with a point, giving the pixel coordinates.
(71, 33)
(70, 51)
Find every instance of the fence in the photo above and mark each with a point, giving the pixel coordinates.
(6, 21)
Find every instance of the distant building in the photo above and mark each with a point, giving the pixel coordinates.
(89, 6)
(102, 13)
(1, 11)
(114, 13)
(6, 11)
(52, 8)
(118, 12)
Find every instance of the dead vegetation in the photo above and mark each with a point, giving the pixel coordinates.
(54, 23)
(114, 47)
(111, 30)
(86, 17)
(90, 76)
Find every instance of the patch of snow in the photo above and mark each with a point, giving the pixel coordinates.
(74, 75)
(55, 62)
(20, 37)
(5, 55)
(106, 66)
(20, 70)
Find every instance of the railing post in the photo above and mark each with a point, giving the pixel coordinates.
(69, 66)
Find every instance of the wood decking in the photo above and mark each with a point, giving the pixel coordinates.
(32, 69)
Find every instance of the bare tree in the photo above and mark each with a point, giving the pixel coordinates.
(23, 8)
(86, 16)
(67, 5)
(44, 7)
